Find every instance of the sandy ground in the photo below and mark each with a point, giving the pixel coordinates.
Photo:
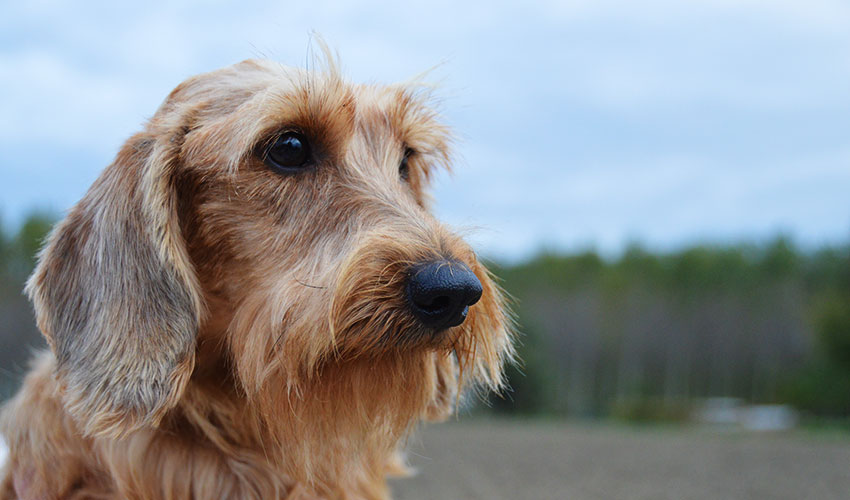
(506, 460)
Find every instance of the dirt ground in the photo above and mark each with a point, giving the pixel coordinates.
(507, 460)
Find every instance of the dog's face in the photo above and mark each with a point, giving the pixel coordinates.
(281, 217)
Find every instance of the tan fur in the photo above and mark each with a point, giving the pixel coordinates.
(218, 330)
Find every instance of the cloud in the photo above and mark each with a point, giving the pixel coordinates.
(583, 122)
(50, 103)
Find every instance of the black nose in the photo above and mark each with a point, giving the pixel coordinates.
(441, 292)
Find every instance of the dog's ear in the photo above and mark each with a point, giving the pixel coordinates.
(115, 293)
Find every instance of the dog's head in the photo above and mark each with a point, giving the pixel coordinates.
(278, 217)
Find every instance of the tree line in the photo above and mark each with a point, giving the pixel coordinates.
(643, 335)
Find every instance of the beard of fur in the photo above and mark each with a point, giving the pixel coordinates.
(336, 399)
(369, 312)
(344, 425)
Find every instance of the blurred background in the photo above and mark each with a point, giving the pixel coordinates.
(662, 186)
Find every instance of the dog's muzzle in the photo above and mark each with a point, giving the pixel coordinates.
(440, 293)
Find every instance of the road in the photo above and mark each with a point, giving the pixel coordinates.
(506, 460)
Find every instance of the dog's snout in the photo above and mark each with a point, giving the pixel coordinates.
(440, 293)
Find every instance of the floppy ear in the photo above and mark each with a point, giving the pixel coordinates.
(116, 295)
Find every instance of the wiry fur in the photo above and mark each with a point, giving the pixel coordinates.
(219, 330)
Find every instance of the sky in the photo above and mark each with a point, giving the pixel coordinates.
(587, 124)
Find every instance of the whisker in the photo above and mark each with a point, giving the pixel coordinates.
(310, 286)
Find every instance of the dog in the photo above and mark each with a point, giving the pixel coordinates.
(253, 301)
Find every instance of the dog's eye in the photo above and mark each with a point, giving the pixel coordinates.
(289, 153)
(404, 168)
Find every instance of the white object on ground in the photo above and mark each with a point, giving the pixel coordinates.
(731, 412)
(769, 418)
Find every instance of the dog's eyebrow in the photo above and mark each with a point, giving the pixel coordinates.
(319, 105)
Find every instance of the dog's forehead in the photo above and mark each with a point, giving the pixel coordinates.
(280, 86)
(235, 109)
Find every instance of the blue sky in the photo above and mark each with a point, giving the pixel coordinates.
(582, 123)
